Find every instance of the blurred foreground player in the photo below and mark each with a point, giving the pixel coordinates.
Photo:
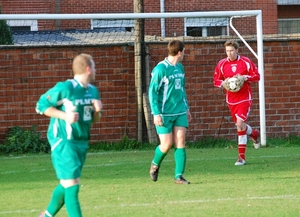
(72, 105)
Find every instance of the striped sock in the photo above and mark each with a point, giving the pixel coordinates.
(242, 142)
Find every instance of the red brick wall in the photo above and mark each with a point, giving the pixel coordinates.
(27, 72)
(268, 7)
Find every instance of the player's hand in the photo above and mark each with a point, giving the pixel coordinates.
(72, 116)
(97, 104)
(189, 115)
(241, 77)
(225, 84)
(157, 119)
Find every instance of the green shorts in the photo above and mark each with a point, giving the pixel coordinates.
(68, 158)
(172, 121)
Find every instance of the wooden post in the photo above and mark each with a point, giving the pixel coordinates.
(138, 41)
(149, 120)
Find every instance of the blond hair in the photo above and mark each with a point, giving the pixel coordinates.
(80, 63)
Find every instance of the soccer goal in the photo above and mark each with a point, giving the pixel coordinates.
(203, 32)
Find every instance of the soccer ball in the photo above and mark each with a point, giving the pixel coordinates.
(233, 84)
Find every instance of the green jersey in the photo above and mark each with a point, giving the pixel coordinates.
(167, 94)
(66, 96)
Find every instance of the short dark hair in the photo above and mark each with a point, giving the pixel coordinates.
(232, 44)
(174, 47)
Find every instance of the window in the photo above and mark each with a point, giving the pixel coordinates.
(113, 25)
(23, 25)
(288, 26)
(288, 2)
(204, 27)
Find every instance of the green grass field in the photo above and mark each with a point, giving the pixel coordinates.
(118, 184)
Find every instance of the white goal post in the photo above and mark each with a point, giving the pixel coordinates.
(211, 14)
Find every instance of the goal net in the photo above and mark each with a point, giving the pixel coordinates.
(126, 47)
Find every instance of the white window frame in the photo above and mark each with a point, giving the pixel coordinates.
(112, 23)
(289, 20)
(32, 23)
(288, 2)
(206, 22)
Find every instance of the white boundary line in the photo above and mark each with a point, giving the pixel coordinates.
(285, 197)
(122, 152)
(276, 197)
(142, 162)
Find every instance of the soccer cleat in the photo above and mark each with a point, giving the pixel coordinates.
(255, 139)
(42, 214)
(240, 162)
(181, 180)
(154, 172)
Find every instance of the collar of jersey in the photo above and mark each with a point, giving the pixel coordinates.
(81, 85)
(166, 59)
(238, 57)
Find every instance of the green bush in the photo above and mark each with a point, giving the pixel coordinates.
(124, 144)
(211, 142)
(6, 36)
(205, 142)
(129, 144)
(18, 140)
(21, 141)
(289, 141)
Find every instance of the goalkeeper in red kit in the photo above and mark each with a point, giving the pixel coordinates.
(238, 102)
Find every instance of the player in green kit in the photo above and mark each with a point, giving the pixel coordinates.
(72, 105)
(169, 106)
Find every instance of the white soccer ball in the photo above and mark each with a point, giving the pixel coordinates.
(232, 83)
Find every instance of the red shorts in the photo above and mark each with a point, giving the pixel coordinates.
(240, 111)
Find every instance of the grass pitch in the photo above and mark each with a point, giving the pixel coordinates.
(118, 184)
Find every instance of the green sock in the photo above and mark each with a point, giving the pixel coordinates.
(57, 200)
(72, 202)
(158, 156)
(180, 159)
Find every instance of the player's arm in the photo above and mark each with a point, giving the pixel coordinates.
(253, 74)
(48, 102)
(154, 95)
(70, 117)
(154, 91)
(189, 115)
(184, 90)
(97, 104)
(186, 102)
(218, 76)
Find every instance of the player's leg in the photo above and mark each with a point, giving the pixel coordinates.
(58, 194)
(160, 152)
(56, 202)
(241, 113)
(240, 125)
(254, 135)
(70, 180)
(179, 132)
(242, 142)
(68, 168)
(165, 136)
(71, 196)
(66, 191)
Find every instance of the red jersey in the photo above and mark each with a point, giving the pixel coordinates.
(241, 66)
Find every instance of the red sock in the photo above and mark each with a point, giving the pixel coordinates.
(242, 138)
